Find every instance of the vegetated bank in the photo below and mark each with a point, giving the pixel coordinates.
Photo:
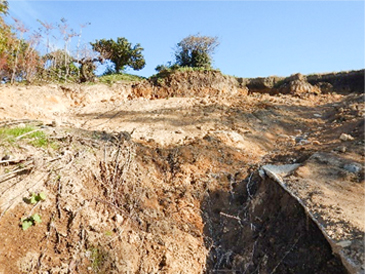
(146, 177)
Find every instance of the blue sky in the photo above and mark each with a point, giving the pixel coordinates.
(257, 38)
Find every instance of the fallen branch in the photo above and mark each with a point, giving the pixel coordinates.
(27, 133)
(13, 161)
(5, 177)
(230, 216)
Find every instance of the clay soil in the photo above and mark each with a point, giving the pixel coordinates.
(171, 185)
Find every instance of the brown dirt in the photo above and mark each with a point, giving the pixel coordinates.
(172, 185)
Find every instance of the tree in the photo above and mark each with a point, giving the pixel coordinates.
(5, 34)
(18, 58)
(196, 51)
(4, 6)
(121, 53)
(56, 68)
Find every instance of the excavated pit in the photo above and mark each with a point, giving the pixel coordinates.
(258, 227)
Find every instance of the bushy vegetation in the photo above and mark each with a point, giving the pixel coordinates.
(31, 56)
(194, 51)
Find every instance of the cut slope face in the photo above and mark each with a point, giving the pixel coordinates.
(172, 185)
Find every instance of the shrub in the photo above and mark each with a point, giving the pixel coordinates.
(196, 51)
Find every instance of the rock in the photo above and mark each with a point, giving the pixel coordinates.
(325, 87)
(342, 149)
(353, 168)
(294, 77)
(299, 86)
(204, 101)
(301, 140)
(118, 218)
(54, 123)
(5, 158)
(261, 84)
(278, 172)
(346, 137)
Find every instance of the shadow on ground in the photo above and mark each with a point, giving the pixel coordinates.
(259, 228)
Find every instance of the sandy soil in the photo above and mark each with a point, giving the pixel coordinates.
(172, 185)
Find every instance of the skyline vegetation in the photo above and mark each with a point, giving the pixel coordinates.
(54, 53)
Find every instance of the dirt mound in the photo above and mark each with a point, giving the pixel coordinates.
(176, 185)
(189, 84)
(342, 82)
(298, 84)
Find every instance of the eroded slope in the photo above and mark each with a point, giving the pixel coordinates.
(171, 185)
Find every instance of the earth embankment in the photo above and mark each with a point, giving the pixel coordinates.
(188, 175)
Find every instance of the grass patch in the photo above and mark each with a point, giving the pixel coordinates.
(34, 137)
(119, 77)
(11, 134)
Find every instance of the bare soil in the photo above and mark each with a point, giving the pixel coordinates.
(136, 184)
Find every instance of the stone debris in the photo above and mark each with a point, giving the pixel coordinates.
(346, 137)
(278, 172)
(353, 168)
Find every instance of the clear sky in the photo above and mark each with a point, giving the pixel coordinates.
(257, 38)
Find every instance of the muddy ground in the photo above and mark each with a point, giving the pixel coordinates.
(136, 184)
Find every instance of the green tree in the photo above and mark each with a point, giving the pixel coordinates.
(4, 6)
(196, 51)
(121, 53)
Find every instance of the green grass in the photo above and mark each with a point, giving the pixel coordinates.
(124, 77)
(12, 133)
(37, 138)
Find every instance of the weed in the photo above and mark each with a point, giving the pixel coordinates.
(124, 77)
(58, 178)
(35, 198)
(39, 142)
(27, 222)
(97, 257)
(108, 233)
(10, 134)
